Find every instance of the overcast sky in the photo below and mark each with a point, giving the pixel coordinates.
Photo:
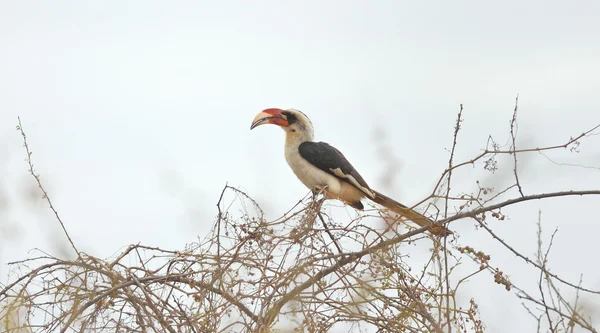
(138, 113)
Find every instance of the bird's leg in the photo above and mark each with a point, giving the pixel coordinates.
(318, 189)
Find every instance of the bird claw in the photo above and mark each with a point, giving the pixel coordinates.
(318, 189)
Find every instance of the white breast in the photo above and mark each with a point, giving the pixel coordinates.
(310, 175)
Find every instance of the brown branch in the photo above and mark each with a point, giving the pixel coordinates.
(529, 261)
(513, 147)
(495, 151)
(159, 279)
(354, 256)
(510, 202)
(45, 194)
(335, 242)
(151, 305)
(543, 259)
(445, 250)
(573, 318)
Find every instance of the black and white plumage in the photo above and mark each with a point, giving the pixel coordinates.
(318, 165)
(332, 161)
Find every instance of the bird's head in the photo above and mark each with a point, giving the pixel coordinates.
(293, 122)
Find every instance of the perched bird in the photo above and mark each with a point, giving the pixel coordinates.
(320, 166)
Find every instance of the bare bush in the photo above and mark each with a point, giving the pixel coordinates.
(305, 271)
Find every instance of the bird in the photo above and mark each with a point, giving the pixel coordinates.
(324, 169)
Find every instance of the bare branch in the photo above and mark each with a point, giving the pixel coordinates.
(39, 183)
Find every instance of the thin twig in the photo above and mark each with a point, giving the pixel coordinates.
(45, 194)
(446, 204)
(513, 147)
(335, 242)
(529, 261)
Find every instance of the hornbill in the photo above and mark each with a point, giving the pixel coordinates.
(320, 166)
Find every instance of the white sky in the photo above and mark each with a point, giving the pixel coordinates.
(138, 113)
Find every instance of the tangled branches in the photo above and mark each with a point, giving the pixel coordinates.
(306, 270)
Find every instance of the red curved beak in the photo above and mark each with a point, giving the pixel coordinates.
(270, 116)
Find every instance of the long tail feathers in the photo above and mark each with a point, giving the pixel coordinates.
(410, 214)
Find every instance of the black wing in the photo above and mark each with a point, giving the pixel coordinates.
(332, 161)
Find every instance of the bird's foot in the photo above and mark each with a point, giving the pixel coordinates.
(319, 189)
(318, 202)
